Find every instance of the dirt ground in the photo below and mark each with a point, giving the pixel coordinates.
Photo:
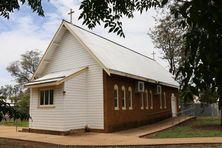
(10, 143)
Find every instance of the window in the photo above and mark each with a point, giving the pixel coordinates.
(147, 100)
(151, 99)
(46, 97)
(164, 96)
(130, 98)
(142, 101)
(161, 101)
(123, 98)
(116, 98)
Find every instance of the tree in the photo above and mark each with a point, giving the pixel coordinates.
(167, 36)
(201, 69)
(23, 70)
(11, 112)
(9, 6)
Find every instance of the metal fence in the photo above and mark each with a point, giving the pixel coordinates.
(201, 109)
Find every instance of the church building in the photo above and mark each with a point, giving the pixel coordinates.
(87, 81)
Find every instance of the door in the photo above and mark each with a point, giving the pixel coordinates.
(173, 105)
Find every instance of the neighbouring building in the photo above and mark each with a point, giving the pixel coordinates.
(85, 80)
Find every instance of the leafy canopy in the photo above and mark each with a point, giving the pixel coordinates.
(23, 69)
(9, 6)
(167, 36)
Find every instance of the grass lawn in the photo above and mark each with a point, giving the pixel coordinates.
(200, 127)
(13, 123)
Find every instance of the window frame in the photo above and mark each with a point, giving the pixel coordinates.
(49, 97)
(116, 88)
(165, 99)
(130, 94)
(161, 100)
(142, 101)
(147, 99)
(151, 99)
(123, 97)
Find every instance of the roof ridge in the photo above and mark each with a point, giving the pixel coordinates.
(110, 40)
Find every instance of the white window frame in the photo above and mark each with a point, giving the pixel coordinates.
(164, 96)
(161, 100)
(117, 97)
(151, 99)
(123, 98)
(130, 98)
(147, 99)
(48, 104)
(142, 101)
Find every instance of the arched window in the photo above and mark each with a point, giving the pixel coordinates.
(123, 98)
(165, 100)
(147, 99)
(161, 100)
(130, 94)
(142, 101)
(116, 97)
(151, 99)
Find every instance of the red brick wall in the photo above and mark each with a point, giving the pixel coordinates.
(122, 119)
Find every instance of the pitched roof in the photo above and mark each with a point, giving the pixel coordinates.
(113, 57)
(120, 59)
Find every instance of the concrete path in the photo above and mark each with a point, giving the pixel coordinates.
(152, 128)
(128, 137)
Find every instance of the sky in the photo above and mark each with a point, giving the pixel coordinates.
(25, 30)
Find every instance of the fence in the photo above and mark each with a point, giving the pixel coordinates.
(201, 109)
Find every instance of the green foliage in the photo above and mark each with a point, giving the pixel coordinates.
(9, 6)
(202, 70)
(19, 123)
(22, 103)
(8, 111)
(167, 36)
(24, 68)
(110, 12)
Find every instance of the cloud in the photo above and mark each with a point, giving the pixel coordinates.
(26, 31)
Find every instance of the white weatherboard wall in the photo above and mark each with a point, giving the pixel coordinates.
(83, 100)
(75, 102)
(47, 118)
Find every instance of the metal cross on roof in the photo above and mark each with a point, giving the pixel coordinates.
(153, 53)
(70, 13)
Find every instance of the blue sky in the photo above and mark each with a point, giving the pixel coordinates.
(26, 31)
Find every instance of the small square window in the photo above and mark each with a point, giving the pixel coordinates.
(46, 97)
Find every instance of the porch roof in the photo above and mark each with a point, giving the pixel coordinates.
(56, 78)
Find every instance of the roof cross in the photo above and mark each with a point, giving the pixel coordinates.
(70, 13)
(153, 53)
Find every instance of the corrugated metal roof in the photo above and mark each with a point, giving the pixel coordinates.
(116, 57)
(55, 76)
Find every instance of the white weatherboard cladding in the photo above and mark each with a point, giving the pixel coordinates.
(95, 110)
(47, 118)
(68, 55)
(118, 58)
(83, 100)
(75, 99)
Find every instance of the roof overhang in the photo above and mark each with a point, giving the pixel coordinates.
(55, 78)
(141, 78)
